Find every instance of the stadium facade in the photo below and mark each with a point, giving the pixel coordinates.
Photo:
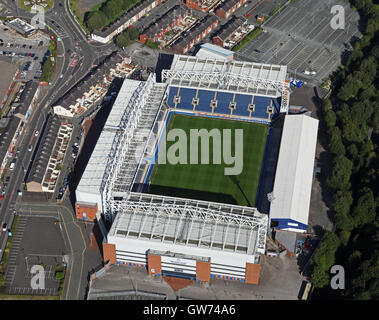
(169, 235)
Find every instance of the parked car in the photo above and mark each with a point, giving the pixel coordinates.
(4, 226)
(37, 133)
(30, 148)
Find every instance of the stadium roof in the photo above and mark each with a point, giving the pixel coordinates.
(294, 172)
(191, 223)
(93, 175)
(252, 77)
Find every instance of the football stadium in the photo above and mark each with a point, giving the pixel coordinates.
(188, 218)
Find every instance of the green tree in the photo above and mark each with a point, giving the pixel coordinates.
(323, 259)
(95, 20)
(341, 173)
(123, 39)
(365, 209)
(335, 144)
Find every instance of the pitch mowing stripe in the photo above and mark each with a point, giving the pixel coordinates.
(211, 178)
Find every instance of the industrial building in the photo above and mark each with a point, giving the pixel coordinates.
(291, 196)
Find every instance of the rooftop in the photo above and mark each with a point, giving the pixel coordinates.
(198, 29)
(123, 19)
(230, 27)
(294, 172)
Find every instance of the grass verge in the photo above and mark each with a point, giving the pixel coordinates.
(249, 37)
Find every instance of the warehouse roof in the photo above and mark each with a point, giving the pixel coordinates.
(293, 178)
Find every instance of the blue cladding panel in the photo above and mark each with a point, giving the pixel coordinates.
(284, 224)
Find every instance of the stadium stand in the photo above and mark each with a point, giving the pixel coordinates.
(223, 103)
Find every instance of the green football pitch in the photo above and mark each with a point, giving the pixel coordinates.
(208, 181)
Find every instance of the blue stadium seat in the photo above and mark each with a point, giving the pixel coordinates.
(223, 101)
(243, 101)
(171, 95)
(186, 97)
(205, 98)
(261, 104)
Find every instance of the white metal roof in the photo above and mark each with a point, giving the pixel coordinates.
(293, 179)
(272, 72)
(218, 51)
(93, 175)
(191, 223)
(221, 74)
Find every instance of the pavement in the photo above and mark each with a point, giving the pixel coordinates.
(37, 240)
(280, 280)
(300, 36)
(75, 242)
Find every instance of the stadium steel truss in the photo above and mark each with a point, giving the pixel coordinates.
(240, 76)
(201, 223)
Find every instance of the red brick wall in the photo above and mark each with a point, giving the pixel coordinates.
(89, 210)
(203, 271)
(109, 252)
(252, 273)
(154, 262)
(218, 41)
